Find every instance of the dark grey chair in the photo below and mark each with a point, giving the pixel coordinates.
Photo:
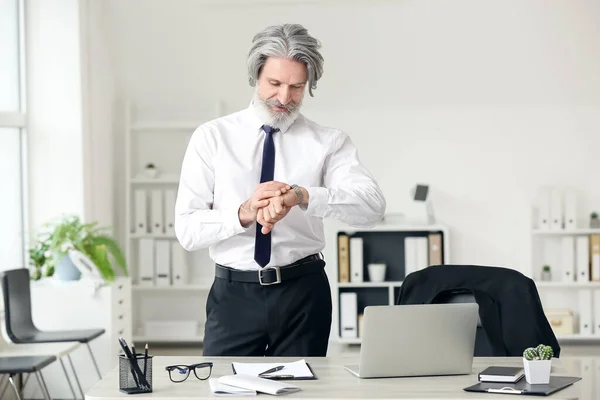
(19, 322)
(12, 366)
(483, 348)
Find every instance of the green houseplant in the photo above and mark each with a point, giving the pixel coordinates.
(69, 233)
(537, 362)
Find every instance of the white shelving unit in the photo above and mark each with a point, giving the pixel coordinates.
(163, 143)
(566, 292)
(384, 242)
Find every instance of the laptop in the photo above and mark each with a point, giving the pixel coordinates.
(417, 340)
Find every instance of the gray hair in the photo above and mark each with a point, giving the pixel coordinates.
(290, 41)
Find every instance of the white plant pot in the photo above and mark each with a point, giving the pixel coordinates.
(537, 372)
(151, 172)
(376, 272)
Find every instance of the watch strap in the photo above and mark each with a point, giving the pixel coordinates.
(298, 193)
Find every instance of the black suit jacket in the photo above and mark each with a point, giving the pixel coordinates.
(510, 309)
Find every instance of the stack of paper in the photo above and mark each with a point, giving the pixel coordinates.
(246, 385)
(297, 369)
(221, 389)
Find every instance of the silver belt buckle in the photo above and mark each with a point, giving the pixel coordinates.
(277, 274)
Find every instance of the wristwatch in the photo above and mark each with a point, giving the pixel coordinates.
(298, 193)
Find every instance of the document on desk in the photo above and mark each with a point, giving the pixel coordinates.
(291, 370)
(257, 384)
(221, 389)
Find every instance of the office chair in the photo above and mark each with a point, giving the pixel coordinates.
(510, 310)
(23, 365)
(19, 323)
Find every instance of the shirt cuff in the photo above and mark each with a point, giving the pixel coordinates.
(317, 201)
(234, 224)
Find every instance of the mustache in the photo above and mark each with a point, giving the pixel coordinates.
(290, 107)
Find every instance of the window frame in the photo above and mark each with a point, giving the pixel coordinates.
(18, 119)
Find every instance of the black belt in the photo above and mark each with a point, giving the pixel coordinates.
(272, 275)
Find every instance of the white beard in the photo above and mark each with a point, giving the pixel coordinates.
(276, 119)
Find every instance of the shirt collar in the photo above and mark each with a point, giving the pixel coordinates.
(257, 123)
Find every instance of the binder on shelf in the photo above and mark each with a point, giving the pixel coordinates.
(343, 258)
(435, 249)
(356, 260)
(422, 246)
(163, 262)
(596, 311)
(556, 209)
(544, 209)
(179, 264)
(170, 197)
(146, 262)
(410, 255)
(567, 258)
(582, 259)
(595, 258)
(349, 315)
(570, 209)
(585, 312)
(156, 215)
(140, 211)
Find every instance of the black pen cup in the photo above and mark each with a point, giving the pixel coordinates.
(131, 379)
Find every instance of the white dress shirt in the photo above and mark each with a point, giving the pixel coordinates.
(222, 167)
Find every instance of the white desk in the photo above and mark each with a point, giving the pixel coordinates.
(335, 382)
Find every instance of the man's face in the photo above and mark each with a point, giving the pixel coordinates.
(281, 86)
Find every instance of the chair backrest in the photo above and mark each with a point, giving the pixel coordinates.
(17, 303)
(483, 347)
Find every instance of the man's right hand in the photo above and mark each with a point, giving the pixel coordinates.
(249, 209)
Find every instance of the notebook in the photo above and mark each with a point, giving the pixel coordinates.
(522, 387)
(291, 370)
(501, 374)
(254, 383)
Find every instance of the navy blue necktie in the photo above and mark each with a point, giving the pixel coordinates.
(262, 243)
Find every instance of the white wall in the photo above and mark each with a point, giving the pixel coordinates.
(54, 110)
(99, 102)
(485, 101)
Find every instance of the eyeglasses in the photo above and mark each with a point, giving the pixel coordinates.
(179, 373)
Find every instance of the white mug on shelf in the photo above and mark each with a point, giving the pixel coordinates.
(376, 272)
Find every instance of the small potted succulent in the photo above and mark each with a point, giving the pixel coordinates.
(546, 273)
(151, 170)
(594, 220)
(537, 362)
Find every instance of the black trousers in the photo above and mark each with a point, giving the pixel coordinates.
(292, 318)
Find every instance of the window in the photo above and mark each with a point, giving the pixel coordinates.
(12, 135)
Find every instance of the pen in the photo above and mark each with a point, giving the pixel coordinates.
(145, 359)
(276, 377)
(129, 356)
(275, 369)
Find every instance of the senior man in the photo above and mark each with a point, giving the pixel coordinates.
(255, 187)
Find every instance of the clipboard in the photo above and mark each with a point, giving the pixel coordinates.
(522, 387)
(288, 377)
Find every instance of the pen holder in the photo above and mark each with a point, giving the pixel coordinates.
(129, 380)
